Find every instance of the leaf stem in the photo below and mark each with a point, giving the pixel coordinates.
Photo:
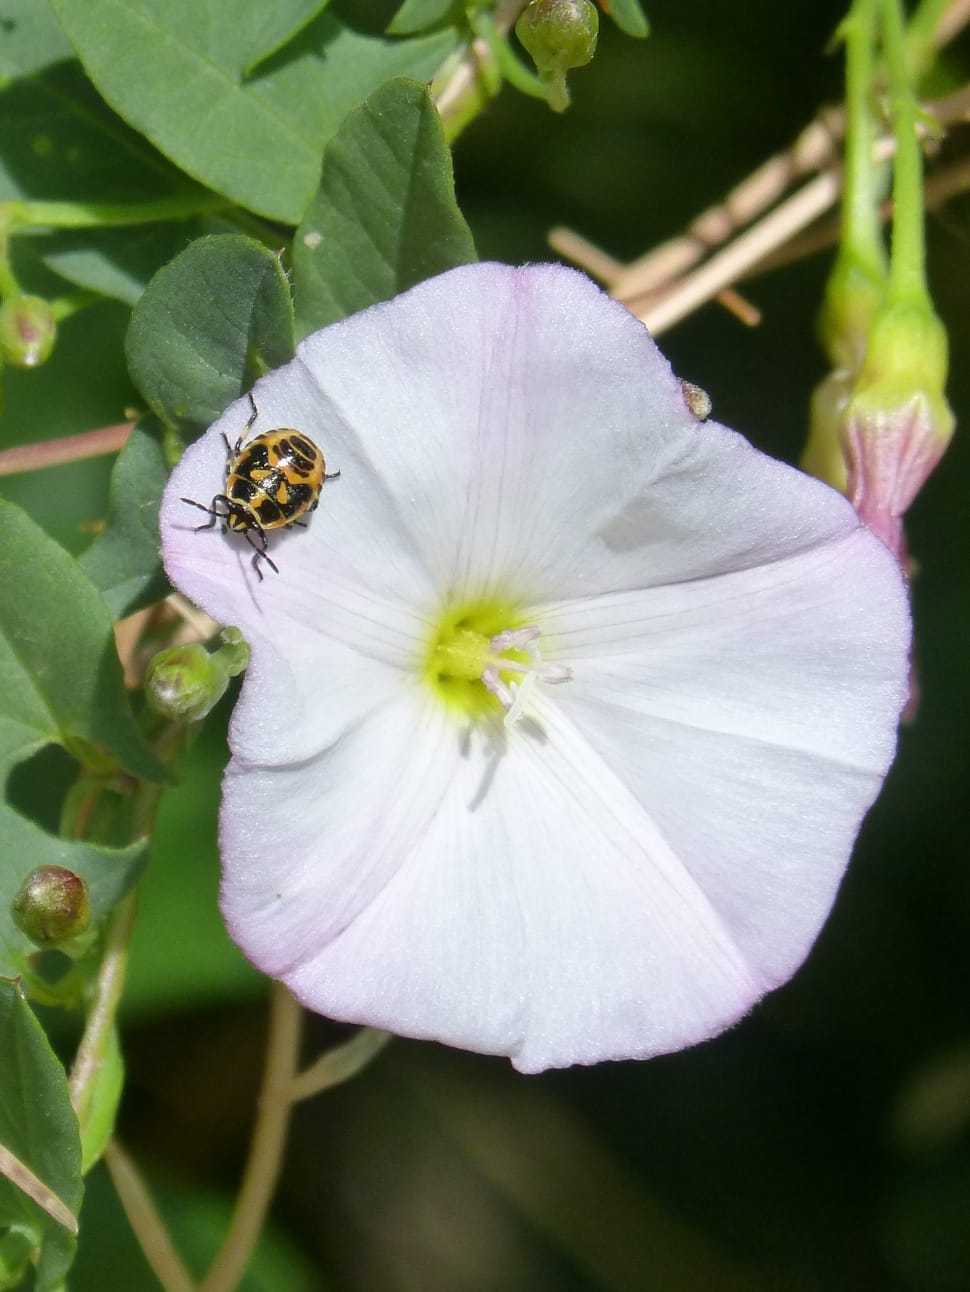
(339, 1064)
(102, 215)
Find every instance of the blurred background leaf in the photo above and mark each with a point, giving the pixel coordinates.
(177, 72)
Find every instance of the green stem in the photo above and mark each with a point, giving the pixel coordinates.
(555, 90)
(861, 238)
(483, 25)
(102, 215)
(100, 1022)
(64, 306)
(466, 83)
(907, 268)
(921, 35)
(9, 287)
(101, 1016)
(339, 1064)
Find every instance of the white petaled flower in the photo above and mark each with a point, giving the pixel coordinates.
(564, 710)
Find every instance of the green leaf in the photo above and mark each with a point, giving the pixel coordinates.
(628, 16)
(418, 15)
(123, 562)
(176, 71)
(39, 1130)
(102, 1112)
(208, 325)
(29, 39)
(385, 216)
(60, 678)
(60, 142)
(282, 21)
(116, 262)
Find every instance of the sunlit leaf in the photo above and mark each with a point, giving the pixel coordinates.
(385, 216)
(177, 71)
(208, 325)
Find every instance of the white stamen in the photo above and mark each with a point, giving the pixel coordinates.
(515, 696)
(497, 687)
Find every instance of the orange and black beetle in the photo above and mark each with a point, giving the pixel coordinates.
(272, 481)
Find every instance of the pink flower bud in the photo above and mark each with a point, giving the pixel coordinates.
(897, 423)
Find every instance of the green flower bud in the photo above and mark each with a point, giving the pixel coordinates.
(27, 331)
(186, 682)
(559, 34)
(52, 907)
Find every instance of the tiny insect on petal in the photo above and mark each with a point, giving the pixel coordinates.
(271, 482)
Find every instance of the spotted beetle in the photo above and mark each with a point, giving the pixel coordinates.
(272, 481)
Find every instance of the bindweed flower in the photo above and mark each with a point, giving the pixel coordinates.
(564, 711)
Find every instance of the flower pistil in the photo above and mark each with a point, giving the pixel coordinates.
(470, 663)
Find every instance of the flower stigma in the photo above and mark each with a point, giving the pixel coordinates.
(476, 660)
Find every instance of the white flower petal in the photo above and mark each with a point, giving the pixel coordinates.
(541, 916)
(535, 422)
(308, 846)
(348, 574)
(761, 697)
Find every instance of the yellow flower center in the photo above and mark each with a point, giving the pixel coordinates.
(484, 659)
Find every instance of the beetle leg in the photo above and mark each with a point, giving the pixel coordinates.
(254, 414)
(213, 511)
(256, 539)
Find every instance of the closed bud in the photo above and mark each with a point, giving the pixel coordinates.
(52, 907)
(559, 34)
(185, 682)
(27, 331)
(897, 422)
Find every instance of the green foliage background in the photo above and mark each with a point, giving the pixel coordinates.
(822, 1144)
